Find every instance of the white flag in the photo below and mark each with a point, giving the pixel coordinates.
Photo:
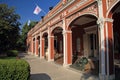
(28, 23)
(37, 10)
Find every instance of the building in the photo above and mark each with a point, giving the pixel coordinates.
(87, 28)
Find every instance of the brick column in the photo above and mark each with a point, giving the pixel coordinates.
(67, 37)
(106, 49)
(42, 45)
(102, 50)
(50, 48)
(31, 45)
(36, 47)
(109, 49)
(102, 63)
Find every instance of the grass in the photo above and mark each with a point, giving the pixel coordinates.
(4, 58)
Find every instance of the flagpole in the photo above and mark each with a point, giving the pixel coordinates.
(42, 10)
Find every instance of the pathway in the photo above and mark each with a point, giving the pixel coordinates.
(43, 70)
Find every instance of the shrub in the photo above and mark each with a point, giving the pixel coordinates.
(14, 69)
(12, 53)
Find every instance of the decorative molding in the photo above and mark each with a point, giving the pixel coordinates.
(56, 25)
(91, 10)
(100, 22)
(108, 19)
(111, 2)
(55, 19)
(50, 36)
(80, 3)
(65, 32)
(99, 2)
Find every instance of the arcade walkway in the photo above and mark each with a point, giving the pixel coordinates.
(43, 70)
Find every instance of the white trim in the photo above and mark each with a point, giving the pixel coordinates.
(83, 14)
(107, 50)
(108, 19)
(64, 40)
(58, 12)
(107, 4)
(42, 33)
(32, 46)
(112, 7)
(41, 45)
(35, 45)
(65, 37)
(53, 28)
(49, 45)
(102, 47)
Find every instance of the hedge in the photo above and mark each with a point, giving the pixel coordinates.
(14, 69)
(12, 53)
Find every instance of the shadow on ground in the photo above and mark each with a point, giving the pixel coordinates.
(22, 54)
(40, 76)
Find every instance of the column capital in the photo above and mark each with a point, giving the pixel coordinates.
(50, 36)
(64, 32)
(101, 21)
(99, 2)
(42, 39)
(108, 20)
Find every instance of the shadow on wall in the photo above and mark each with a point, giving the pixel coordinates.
(40, 76)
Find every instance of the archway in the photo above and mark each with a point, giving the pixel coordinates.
(45, 45)
(58, 45)
(116, 35)
(85, 42)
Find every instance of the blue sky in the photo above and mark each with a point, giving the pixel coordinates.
(25, 8)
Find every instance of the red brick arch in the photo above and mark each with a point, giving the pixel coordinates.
(110, 13)
(76, 17)
(52, 30)
(44, 33)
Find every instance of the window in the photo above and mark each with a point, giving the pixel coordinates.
(61, 46)
(78, 44)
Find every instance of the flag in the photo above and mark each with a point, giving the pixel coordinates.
(37, 10)
(28, 23)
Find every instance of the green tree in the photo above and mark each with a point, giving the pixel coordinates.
(24, 31)
(9, 28)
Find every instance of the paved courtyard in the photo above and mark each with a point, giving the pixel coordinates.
(43, 70)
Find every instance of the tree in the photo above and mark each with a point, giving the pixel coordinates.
(9, 28)
(23, 36)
